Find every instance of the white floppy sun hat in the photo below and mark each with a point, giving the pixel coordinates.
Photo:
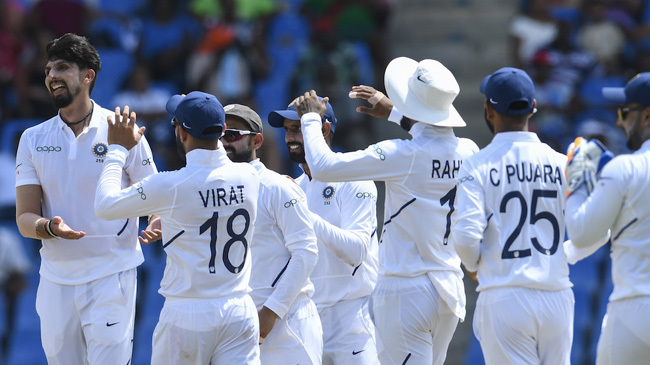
(423, 91)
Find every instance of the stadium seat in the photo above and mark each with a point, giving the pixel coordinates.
(116, 66)
(11, 132)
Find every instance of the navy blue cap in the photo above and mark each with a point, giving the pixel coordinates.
(200, 114)
(276, 117)
(506, 86)
(636, 91)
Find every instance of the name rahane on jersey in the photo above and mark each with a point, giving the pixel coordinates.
(527, 172)
(445, 169)
(222, 196)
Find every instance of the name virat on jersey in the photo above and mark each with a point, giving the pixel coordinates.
(217, 197)
(527, 172)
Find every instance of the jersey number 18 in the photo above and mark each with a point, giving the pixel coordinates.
(211, 224)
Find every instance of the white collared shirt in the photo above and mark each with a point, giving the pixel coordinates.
(620, 202)
(509, 221)
(284, 250)
(68, 168)
(207, 211)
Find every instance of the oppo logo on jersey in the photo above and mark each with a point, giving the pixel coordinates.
(528, 172)
(446, 169)
(221, 196)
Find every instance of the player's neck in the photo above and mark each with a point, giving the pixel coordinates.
(77, 115)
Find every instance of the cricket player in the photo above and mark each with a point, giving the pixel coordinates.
(283, 252)
(86, 293)
(509, 225)
(345, 222)
(208, 210)
(618, 203)
(419, 296)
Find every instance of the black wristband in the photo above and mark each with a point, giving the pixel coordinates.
(48, 229)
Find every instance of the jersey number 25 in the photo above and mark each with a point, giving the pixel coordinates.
(535, 216)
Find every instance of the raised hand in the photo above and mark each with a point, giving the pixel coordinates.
(381, 105)
(309, 103)
(122, 131)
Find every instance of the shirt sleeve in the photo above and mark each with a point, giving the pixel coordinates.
(469, 221)
(589, 217)
(351, 241)
(382, 161)
(299, 238)
(139, 162)
(575, 254)
(149, 196)
(25, 171)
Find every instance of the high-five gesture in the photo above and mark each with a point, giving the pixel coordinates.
(309, 102)
(123, 131)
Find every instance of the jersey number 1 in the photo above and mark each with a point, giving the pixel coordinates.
(211, 224)
(448, 198)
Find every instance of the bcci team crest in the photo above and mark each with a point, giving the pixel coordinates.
(328, 192)
(100, 149)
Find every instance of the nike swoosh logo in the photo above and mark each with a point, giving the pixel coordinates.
(111, 324)
(419, 78)
(186, 127)
(358, 352)
(493, 102)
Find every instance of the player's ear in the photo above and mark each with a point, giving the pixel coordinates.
(258, 139)
(89, 75)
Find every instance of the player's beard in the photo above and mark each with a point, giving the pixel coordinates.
(298, 157)
(489, 124)
(633, 135)
(179, 146)
(239, 156)
(65, 99)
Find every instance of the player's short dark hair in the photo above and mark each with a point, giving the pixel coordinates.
(76, 49)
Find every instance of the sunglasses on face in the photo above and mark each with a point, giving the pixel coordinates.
(624, 111)
(233, 135)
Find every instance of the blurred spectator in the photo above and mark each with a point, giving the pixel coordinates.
(558, 71)
(13, 267)
(605, 132)
(34, 100)
(11, 44)
(60, 16)
(149, 101)
(168, 37)
(530, 31)
(230, 56)
(601, 36)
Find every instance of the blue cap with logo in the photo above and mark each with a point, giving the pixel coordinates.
(276, 117)
(198, 113)
(510, 91)
(636, 91)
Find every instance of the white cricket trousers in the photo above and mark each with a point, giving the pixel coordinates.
(625, 335)
(89, 323)
(518, 326)
(207, 331)
(414, 324)
(348, 333)
(295, 339)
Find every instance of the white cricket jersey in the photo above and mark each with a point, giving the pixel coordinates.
(345, 221)
(509, 223)
(207, 211)
(68, 168)
(420, 176)
(620, 202)
(283, 249)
